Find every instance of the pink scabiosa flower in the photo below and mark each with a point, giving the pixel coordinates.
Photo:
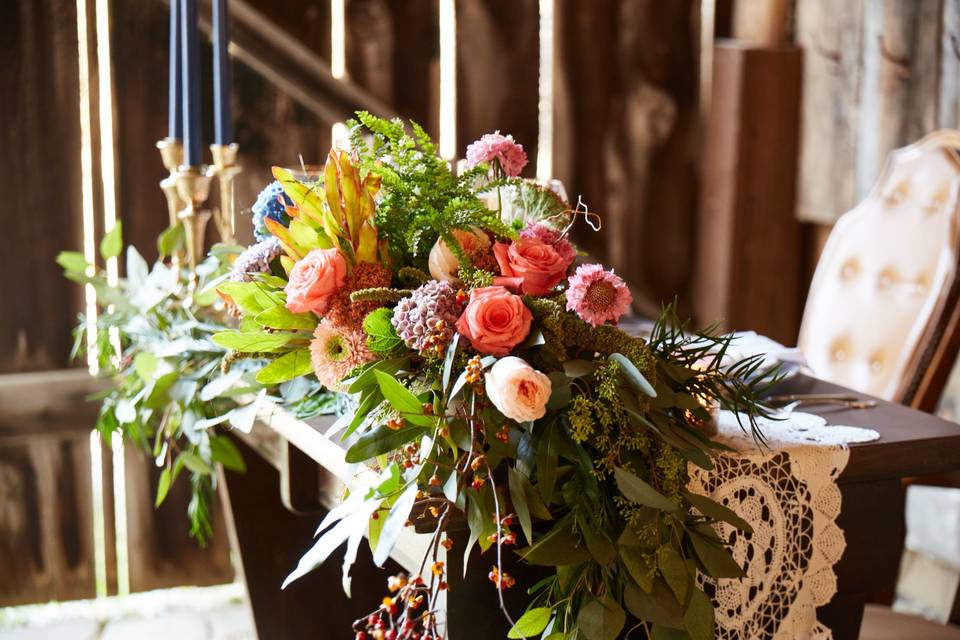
(493, 146)
(597, 295)
(335, 352)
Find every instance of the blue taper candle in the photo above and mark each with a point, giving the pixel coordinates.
(222, 123)
(190, 58)
(175, 103)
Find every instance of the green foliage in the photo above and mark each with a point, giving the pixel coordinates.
(382, 338)
(421, 197)
(157, 343)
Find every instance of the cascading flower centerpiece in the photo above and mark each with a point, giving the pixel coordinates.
(502, 409)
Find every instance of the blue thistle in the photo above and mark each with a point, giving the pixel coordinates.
(270, 204)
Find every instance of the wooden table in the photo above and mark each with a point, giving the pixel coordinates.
(294, 474)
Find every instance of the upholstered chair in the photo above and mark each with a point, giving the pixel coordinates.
(882, 318)
(886, 282)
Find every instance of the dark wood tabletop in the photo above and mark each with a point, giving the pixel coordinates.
(912, 443)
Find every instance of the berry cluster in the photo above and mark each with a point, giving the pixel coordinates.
(504, 535)
(401, 616)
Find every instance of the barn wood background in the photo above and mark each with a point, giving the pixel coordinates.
(629, 135)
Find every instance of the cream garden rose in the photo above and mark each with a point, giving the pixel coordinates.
(444, 265)
(518, 390)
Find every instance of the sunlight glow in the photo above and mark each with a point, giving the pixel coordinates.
(545, 93)
(120, 517)
(338, 39)
(105, 98)
(99, 522)
(86, 182)
(448, 79)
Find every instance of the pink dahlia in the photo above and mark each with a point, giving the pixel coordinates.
(552, 237)
(335, 352)
(493, 146)
(597, 295)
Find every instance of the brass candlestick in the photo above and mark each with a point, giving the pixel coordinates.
(171, 152)
(225, 168)
(193, 188)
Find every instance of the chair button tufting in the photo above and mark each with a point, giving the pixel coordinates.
(850, 269)
(839, 349)
(886, 278)
(876, 363)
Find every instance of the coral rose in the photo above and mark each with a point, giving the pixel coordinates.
(531, 265)
(518, 390)
(444, 265)
(314, 280)
(495, 320)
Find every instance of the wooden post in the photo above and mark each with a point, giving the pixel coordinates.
(749, 264)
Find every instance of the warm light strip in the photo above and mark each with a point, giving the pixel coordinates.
(105, 98)
(707, 21)
(86, 182)
(448, 79)
(340, 136)
(338, 38)
(120, 518)
(545, 93)
(99, 521)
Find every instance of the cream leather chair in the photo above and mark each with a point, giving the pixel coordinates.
(881, 315)
(885, 285)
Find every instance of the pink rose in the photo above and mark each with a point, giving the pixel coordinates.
(495, 320)
(517, 390)
(531, 265)
(314, 280)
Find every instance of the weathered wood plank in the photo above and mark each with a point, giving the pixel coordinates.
(749, 264)
(626, 134)
(831, 34)
(899, 82)
(497, 72)
(46, 528)
(40, 180)
(161, 552)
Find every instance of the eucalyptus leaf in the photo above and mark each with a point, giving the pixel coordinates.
(699, 616)
(601, 619)
(674, 571)
(163, 486)
(112, 243)
(636, 490)
(633, 375)
(381, 440)
(223, 450)
(287, 367)
(531, 623)
(659, 606)
(279, 317)
(171, 240)
(72, 261)
(716, 560)
(404, 402)
(252, 341)
(399, 514)
(717, 511)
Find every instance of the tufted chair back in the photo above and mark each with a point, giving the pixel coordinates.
(887, 281)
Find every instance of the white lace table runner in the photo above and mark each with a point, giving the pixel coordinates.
(788, 493)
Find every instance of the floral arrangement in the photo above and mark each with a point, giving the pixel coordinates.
(502, 410)
(494, 392)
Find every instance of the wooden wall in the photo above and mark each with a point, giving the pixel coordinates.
(879, 75)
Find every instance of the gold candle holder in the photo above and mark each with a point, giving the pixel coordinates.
(225, 168)
(193, 188)
(171, 152)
